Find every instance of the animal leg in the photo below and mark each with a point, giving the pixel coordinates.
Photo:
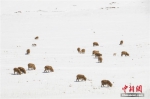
(77, 79)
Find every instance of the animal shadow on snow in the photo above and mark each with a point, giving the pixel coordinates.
(105, 86)
(79, 81)
(13, 74)
(30, 70)
(97, 62)
(46, 72)
(26, 54)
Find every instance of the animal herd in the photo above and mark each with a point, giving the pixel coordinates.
(103, 82)
(19, 70)
(31, 66)
(98, 54)
(100, 59)
(28, 50)
(79, 77)
(81, 51)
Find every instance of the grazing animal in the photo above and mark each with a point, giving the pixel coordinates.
(95, 44)
(28, 51)
(36, 37)
(78, 49)
(80, 76)
(33, 44)
(106, 82)
(17, 70)
(32, 66)
(114, 54)
(98, 54)
(124, 53)
(121, 42)
(100, 59)
(82, 51)
(95, 51)
(48, 68)
(22, 70)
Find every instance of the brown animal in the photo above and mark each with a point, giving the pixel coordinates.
(82, 51)
(28, 51)
(32, 66)
(95, 44)
(121, 42)
(114, 54)
(17, 70)
(33, 44)
(124, 53)
(100, 59)
(36, 37)
(98, 54)
(106, 82)
(95, 51)
(80, 76)
(22, 70)
(48, 68)
(78, 49)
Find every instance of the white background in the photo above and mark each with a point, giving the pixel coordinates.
(62, 27)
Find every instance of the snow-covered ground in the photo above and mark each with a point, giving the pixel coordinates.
(62, 27)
